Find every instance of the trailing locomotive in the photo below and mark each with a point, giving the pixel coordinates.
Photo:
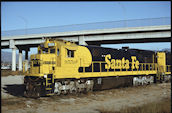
(62, 67)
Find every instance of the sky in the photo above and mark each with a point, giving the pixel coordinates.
(24, 15)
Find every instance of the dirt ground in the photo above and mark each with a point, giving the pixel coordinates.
(12, 100)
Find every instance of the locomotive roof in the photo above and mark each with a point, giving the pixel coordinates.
(98, 47)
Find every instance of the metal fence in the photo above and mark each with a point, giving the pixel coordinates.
(91, 26)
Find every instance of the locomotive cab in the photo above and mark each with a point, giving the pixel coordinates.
(45, 60)
(55, 60)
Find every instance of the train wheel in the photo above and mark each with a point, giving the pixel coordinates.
(38, 93)
(58, 93)
(85, 90)
(25, 94)
(74, 91)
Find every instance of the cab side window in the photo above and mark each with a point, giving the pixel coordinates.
(45, 50)
(52, 50)
(58, 52)
(70, 53)
(39, 52)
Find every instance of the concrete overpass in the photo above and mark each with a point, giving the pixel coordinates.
(127, 31)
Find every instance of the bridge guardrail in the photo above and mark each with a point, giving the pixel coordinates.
(90, 26)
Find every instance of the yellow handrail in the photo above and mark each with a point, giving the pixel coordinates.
(100, 67)
(168, 67)
(84, 69)
(92, 67)
(142, 67)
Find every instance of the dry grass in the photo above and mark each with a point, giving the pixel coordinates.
(13, 104)
(155, 107)
(9, 72)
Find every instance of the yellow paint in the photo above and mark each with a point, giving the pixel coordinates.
(161, 60)
(120, 64)
(135, 63)
(68, 57)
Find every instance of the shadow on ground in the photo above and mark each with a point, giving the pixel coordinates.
(15, 89)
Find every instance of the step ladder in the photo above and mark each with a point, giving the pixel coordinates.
(160, 74)
(49, 85)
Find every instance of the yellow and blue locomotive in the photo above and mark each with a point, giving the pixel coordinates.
(62, 67)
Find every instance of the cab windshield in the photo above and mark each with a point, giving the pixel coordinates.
(51, 49)
(47, 51)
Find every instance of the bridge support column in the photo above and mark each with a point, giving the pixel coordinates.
(13, 59)
(82, 41)
(20, 59)
(13, 47)
(26, 59)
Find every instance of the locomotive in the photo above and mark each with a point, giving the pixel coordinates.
(62, 67)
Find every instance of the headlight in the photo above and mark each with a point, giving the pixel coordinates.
(45, 76)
